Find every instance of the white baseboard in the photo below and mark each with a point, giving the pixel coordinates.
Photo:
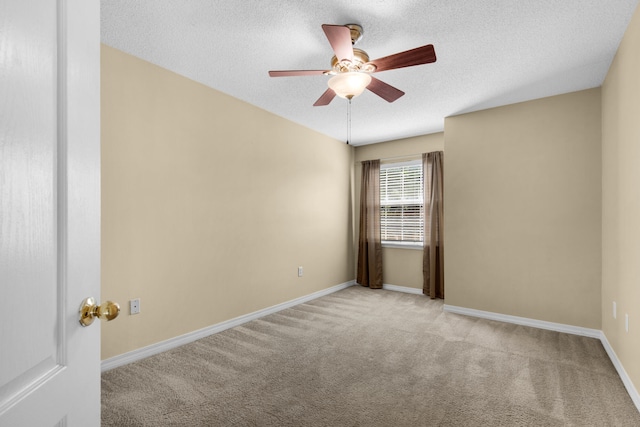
(524, 321)
(558, 327)
(144, 352)
(404, 289)
(633, 393)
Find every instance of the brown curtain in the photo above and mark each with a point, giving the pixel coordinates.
(370, 241)
(433, 261)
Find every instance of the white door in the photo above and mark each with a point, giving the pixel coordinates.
(49, 211)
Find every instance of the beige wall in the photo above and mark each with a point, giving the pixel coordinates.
(209, 205)
(400, 267)
(621, 201)
(528, 187)
(523, 209)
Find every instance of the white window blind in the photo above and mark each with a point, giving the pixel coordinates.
(401, 202)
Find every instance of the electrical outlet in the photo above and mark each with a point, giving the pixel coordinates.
(614, 310)
(626, 322)
(300, 271)
(134, 306)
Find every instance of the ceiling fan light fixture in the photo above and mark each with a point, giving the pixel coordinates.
(349, 85)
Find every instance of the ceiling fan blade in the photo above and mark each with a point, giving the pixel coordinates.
(420, 55)
(340, 39)
(326, 98)
(289, 73)
(384, 90)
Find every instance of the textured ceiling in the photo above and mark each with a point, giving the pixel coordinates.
(490, 53)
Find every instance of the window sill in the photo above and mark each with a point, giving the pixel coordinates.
(403, 245)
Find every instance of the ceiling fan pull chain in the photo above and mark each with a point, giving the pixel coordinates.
(349, 121)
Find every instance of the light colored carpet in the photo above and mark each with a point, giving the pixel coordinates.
(362, 357)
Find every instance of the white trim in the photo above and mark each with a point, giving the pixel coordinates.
(404, 289)
(540, 324)
(628, 384)
(144, 352)
(558, 327)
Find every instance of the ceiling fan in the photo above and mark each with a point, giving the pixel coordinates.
(351, 68)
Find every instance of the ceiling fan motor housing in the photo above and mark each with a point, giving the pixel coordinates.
(356, 32)
(360, 63)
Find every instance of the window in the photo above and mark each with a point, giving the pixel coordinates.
(401, 203)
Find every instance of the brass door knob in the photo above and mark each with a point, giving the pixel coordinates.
(89, 310)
